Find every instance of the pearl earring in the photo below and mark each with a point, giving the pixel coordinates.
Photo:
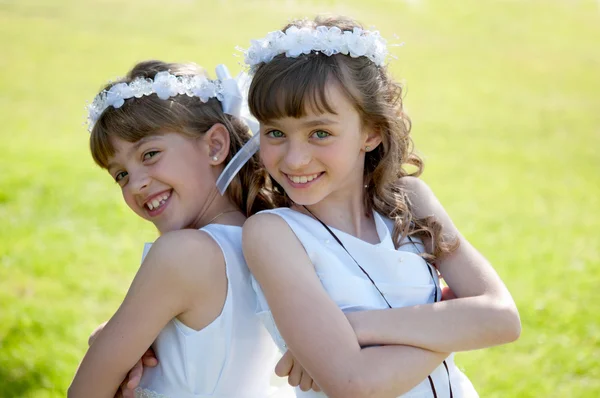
(214, 158)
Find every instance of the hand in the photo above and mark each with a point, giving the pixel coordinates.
(447, 294)
(126, 390)
(297, 376)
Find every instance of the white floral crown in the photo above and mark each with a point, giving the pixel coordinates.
(164, 85)
(329, 41)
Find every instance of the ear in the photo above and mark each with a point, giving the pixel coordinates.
(372, 139)
(217, 139)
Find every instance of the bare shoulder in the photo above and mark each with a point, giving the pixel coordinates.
(185, 254)
(413, 184)
(263, 223)
(268, 242)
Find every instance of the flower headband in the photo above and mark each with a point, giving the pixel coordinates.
(329, 41)
(165, 85)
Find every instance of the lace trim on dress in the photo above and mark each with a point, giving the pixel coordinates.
(145, 393)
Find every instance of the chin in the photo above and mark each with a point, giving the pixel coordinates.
(163, 229)
(306, 199)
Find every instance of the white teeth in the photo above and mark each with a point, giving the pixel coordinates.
(158, 201)
(302, 179)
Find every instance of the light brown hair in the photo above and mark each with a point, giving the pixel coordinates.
(140, 117)
(288, 87)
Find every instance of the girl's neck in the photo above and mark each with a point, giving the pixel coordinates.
(346, 213)
(219, 210)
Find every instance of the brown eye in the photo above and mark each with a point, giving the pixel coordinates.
(119, 177)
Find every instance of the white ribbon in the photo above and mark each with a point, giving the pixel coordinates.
(235, 103)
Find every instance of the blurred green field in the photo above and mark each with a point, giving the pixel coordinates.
(505, 102)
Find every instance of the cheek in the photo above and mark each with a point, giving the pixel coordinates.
(185, 168)
(130, 201)
(193, 178)
(338, 156)
(268, 155)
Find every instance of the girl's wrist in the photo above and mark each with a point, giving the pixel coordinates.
(356, 320)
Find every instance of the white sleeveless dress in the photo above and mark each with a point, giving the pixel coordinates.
(233, 357)
(403, 277)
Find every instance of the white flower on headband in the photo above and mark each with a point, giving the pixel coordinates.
(329, 41)
(297, 41)
(164, 85)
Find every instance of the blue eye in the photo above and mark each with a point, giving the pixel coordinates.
(120, 175)
(275, 134)
(320, 134)
(149, 154)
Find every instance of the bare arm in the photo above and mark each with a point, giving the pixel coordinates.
(135, 374)
(167, 285)
(484, 313)
(315, 329)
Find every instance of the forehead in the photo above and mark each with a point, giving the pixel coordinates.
(338, 99)
(342, 110)
(340, 107)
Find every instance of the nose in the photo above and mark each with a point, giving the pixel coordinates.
(139, 181)
(297, 156)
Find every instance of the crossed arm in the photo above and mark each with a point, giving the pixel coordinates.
(316, 331)
(482, 315)
(165, 286)
(328, 344)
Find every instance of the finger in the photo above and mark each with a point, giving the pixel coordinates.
(149, 358)
(118, 394)
(284, 366)
(295, 376)
(122, 388)
(315, 387)
(447, 293)
(135, 375)
(305, 381)
(126, 391)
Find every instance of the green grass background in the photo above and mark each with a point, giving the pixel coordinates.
(505, 101)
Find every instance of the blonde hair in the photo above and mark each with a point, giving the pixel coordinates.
(140, 117)
(288, 87)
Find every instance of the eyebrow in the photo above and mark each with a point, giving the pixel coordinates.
(135, 147)
(308, 123)
(318, 122)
